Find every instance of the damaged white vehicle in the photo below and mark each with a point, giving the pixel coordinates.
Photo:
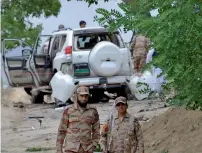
(92, 57)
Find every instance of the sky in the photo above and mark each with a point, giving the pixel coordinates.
(71, 13)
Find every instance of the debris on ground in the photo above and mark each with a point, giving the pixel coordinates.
(18, 104)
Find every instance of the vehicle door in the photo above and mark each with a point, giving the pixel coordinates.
(15, 56)
(40, 63)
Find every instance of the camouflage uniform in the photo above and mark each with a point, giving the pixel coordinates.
(80, 128)
(124, 137)
(140, 48)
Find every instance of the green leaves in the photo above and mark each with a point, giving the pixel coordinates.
(16, 15)
(176, 34)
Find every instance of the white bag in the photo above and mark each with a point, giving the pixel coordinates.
(154, 84)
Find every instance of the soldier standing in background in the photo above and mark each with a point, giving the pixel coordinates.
(122, 133)
(61, 27)
(82, 24)
(139, 48)
(79, 126)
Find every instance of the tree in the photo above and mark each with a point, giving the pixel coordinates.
(15, 17)
(176, 33)
(16, 14)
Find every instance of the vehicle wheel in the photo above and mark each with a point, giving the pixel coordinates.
(28, 91)
(37, 99)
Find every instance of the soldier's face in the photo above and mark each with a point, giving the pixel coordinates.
(83, 99)
(121, 107)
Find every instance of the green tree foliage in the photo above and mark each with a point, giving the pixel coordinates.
(16, 14)
(176, 33)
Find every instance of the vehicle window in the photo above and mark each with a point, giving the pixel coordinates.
(62, 41)
(42, 45)
(88, 41)
(14, 48)
(55, 46)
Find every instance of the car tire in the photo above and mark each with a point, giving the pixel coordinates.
(37, 99)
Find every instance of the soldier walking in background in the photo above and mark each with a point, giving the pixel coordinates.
(79, 126)
(121, 133)
(139, 48)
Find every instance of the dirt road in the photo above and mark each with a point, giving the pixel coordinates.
(19, 132)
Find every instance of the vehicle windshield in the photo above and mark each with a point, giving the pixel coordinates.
(88, 41)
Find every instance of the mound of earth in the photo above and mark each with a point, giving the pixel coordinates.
(11, 115)
(175, 131)
(13, 95)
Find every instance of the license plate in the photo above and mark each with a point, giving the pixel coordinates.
(81, 69)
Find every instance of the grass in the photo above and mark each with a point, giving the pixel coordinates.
(33, 149)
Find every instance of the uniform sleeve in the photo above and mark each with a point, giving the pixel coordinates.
(139, 136)
(62, 130)
(96, 128)
(104, 135)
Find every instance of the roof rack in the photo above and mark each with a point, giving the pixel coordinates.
(62, 29)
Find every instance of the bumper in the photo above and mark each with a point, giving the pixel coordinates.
(102, 82)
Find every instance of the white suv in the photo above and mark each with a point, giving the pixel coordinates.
(93, 56)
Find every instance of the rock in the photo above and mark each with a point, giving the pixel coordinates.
(146, 110)
(145, 118)
(18, 104)
(47, 139)
(140, 118)
(153, 109)
(141, 110)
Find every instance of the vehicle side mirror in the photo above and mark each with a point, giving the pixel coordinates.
(26, 52)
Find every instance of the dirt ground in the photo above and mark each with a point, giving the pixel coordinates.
(176, 130)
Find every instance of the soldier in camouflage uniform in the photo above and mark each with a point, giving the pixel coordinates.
(139, 47)
(79, 126)
(123, 133)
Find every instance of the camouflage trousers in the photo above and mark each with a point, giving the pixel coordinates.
(139, 63)
(81, 150)
(139, 57)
